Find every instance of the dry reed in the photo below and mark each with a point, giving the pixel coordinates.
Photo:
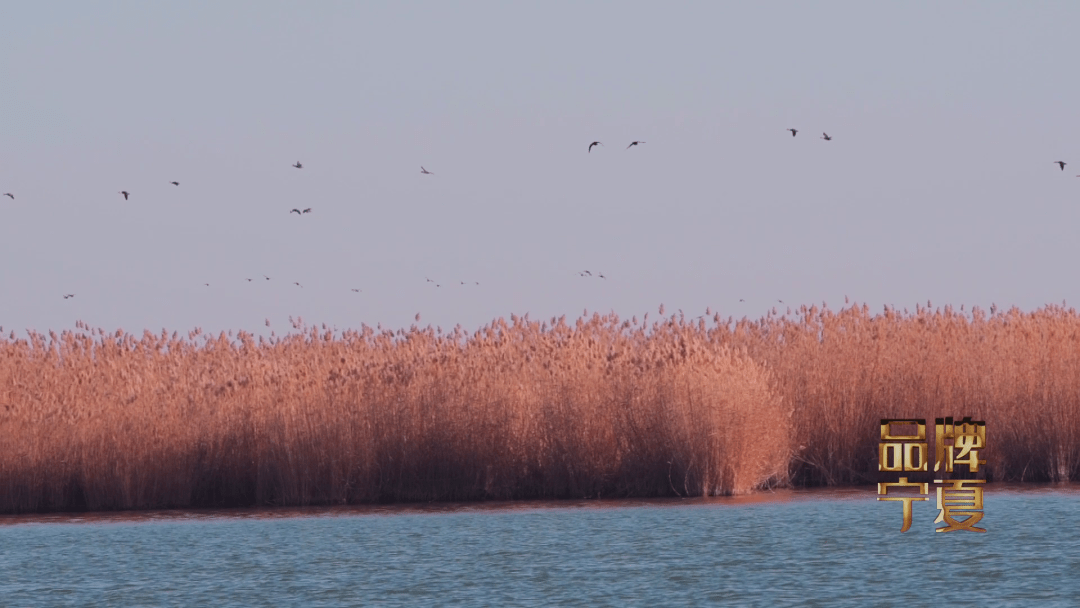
(520, 410)
(602, 408)
(843, 371)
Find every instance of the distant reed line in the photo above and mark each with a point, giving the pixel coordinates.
(522, 409)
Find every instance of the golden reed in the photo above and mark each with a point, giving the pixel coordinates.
(601, 408)
(520, 410)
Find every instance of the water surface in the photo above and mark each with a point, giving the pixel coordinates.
(812, 548)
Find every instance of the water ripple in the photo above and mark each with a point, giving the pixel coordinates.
(838, 548)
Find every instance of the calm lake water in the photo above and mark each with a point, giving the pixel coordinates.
(807, 548)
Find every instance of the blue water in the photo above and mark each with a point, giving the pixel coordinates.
(818, 548)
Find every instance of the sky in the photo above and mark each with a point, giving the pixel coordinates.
(938, 184)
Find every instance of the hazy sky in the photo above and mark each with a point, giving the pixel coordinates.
(939, 183)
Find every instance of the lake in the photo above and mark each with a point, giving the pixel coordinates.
(785, 548)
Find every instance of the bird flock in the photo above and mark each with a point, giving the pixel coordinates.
(584, 273)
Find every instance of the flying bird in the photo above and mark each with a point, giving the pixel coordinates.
(249, 280)
(298, 165)
(741, 300)
(793, 132)
(634, 143)
(601, 275)
(175, 183)
(125, 193)
(425, 171)
(357, 290)
(308, 210)
(297, 284)
(595, 143)
(9, 195)
(207, 284)
(69, 295)
(826, 137)
(1061, 164)
(296, 211)
(266, 277)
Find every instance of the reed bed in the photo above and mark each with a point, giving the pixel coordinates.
(601, 408)
(845, 370)
(522, 409)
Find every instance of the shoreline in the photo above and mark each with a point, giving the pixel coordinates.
(210, 514)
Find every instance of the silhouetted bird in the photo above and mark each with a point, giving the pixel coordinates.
(308, 210)
(207, 284)
(793, 132)
(125, 193)
(1061, 164)
(425, 171)
(249, 280)
(10, 195)
(741, 300)
(266, 277)
(296, 211)
(69, 295)
(826, 137)
(175, 183)
(297, 284)
(298, 165)
(357, 290)
(602, 276)
(595, 143)
(634, 143)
